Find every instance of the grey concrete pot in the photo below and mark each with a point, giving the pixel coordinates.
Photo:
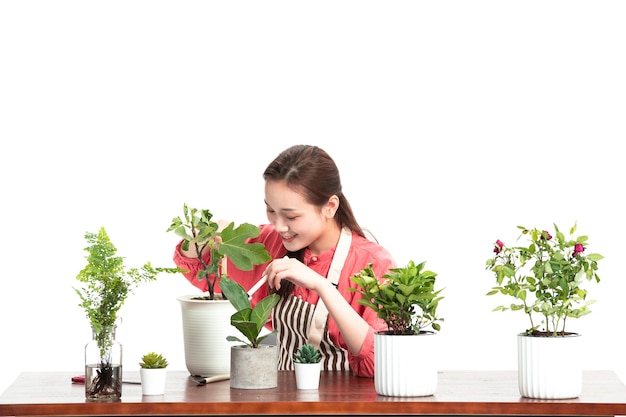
(254, 368)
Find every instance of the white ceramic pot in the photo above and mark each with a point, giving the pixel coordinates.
(206, 324)
(254, 368)
(153, 380)
(549, 367)
(308, 375)
(405, 365)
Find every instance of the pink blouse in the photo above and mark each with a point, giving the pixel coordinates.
(361, 253)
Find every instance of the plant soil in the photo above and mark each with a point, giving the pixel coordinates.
(538, 333)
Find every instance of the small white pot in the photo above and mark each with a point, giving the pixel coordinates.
(405, 365)
(308, 375)
(153, 381)
(550, 368)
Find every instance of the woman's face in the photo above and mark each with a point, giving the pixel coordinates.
(300, 223)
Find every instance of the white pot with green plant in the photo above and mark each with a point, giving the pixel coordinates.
(546, 279)
(406, 354)
(106, 285)
(153, 373)
(205, 316)
(253, 365)
(307, 363)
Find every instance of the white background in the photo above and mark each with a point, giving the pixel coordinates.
(452, 123)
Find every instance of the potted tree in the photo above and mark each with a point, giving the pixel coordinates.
(205, 316)
(406, 299)
(252, 365)
(307, 362)
(153, 373)
(545, 278)
(107, 284)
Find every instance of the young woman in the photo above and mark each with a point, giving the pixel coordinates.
(317, 246)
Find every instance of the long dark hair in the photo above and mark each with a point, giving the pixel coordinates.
(311, 172)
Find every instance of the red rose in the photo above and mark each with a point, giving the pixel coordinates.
(498, 246)
(546, 235)
(578, 248)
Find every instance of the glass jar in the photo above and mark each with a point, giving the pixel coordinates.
(103, 366)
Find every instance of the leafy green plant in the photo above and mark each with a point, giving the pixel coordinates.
(247, 320)
(405, 298)
(153, 360)
(198, 229)
(307, 353)
(545, 278)
(108, 283)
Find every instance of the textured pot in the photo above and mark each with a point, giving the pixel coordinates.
(549, 367)
(206, 324)
(405, 365)
(153, 380)
(254, 368)
(308, 375)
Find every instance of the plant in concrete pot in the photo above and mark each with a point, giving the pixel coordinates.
(406, 299)
(107, 284)
(153, 373)
(307, 362)
(546, 277)
(205, 317)
(253, 364)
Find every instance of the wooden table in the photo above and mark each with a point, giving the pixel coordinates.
(458, 393)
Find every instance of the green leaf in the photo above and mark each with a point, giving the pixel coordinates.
(235, 293)
(243, 255)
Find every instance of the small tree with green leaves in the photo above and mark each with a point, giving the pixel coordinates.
(199, 230)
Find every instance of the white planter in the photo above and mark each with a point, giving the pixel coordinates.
(549, 367)
(308, 375)
(206, 324)
(153, 381)
(405, 365)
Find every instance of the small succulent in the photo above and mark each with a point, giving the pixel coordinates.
(153, 360)
(307, 354)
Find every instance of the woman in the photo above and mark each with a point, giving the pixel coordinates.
(317, 246)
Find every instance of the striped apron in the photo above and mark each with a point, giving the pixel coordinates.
(299, 322)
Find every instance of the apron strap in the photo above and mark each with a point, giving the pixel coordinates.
(318, 323)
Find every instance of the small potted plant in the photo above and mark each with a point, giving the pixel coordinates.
(252, 365)
(545, 277)
(406, 299)
(153, 373)
(307, 362)
(107, 284)
(205, 316)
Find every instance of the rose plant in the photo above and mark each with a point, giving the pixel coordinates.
(545, 278)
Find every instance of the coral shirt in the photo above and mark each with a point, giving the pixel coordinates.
(362, 252)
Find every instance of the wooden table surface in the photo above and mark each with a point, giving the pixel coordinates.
(458, 393)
